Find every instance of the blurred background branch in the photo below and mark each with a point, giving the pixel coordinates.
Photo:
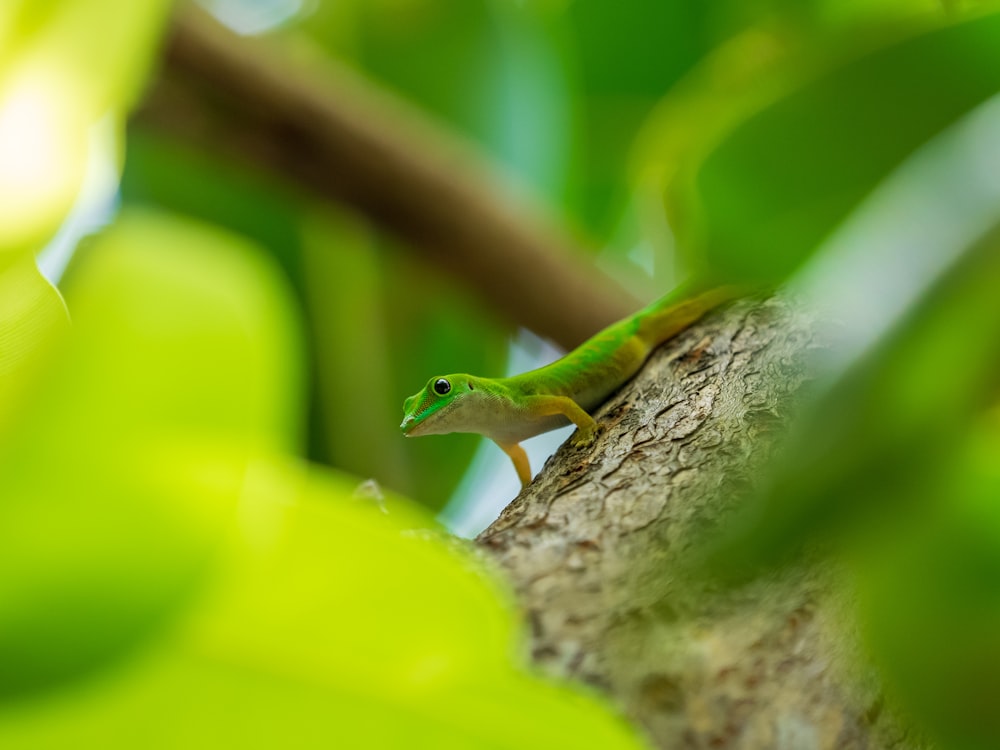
(325, 130)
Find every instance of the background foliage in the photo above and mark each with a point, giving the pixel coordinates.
(162, 538)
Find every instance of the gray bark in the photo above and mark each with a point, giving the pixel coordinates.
(594, 547)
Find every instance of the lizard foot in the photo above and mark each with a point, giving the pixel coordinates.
(584, 438)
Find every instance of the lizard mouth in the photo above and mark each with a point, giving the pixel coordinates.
(422, 422)
(416, 424)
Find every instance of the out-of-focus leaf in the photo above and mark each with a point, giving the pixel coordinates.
(328, 622)
(735, 81)
(931, 597)
(858, 449)
(629, 54)
(910, 390)
(761, 53)
(134, 443)
(64, 65)
(103, 46)
(818, 17)
(43, 155)
(32, 319)
(149, 466)
(776, 186)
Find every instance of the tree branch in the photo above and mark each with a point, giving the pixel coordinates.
(593, 547)
(337, 137)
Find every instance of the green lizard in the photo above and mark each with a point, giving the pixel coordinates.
(509, 410)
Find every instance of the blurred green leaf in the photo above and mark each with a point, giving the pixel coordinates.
(64, 65)
(32, 319)
(817, 17)
(154, 532)
(917, 360)
(777, 185)
(733, 82)
(134, 443)
(931, 596)
(861, 451)
(629, 54)
(327, 622)
(103, 46)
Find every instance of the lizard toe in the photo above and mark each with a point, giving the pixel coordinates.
(584, 438)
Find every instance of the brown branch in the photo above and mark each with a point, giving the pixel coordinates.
(596, 544)
(326, 131)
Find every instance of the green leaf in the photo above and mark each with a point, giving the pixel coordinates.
(629, 54)
(134, 443)
(64, 65)
(105, 47)
(32, 319)
(915, 364)
(327, 621)
(777, 185)
(152, 521)
(931, 596)
(862, 450)
(826, 16)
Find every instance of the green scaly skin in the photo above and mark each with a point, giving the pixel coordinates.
(509, 410)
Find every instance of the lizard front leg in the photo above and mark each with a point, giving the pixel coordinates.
(587, 428)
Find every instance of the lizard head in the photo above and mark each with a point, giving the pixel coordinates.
(435, 409)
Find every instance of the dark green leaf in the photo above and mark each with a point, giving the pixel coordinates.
(779, 184)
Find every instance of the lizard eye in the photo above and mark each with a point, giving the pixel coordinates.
(441, 386)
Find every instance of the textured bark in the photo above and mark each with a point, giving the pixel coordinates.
(593, 547)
